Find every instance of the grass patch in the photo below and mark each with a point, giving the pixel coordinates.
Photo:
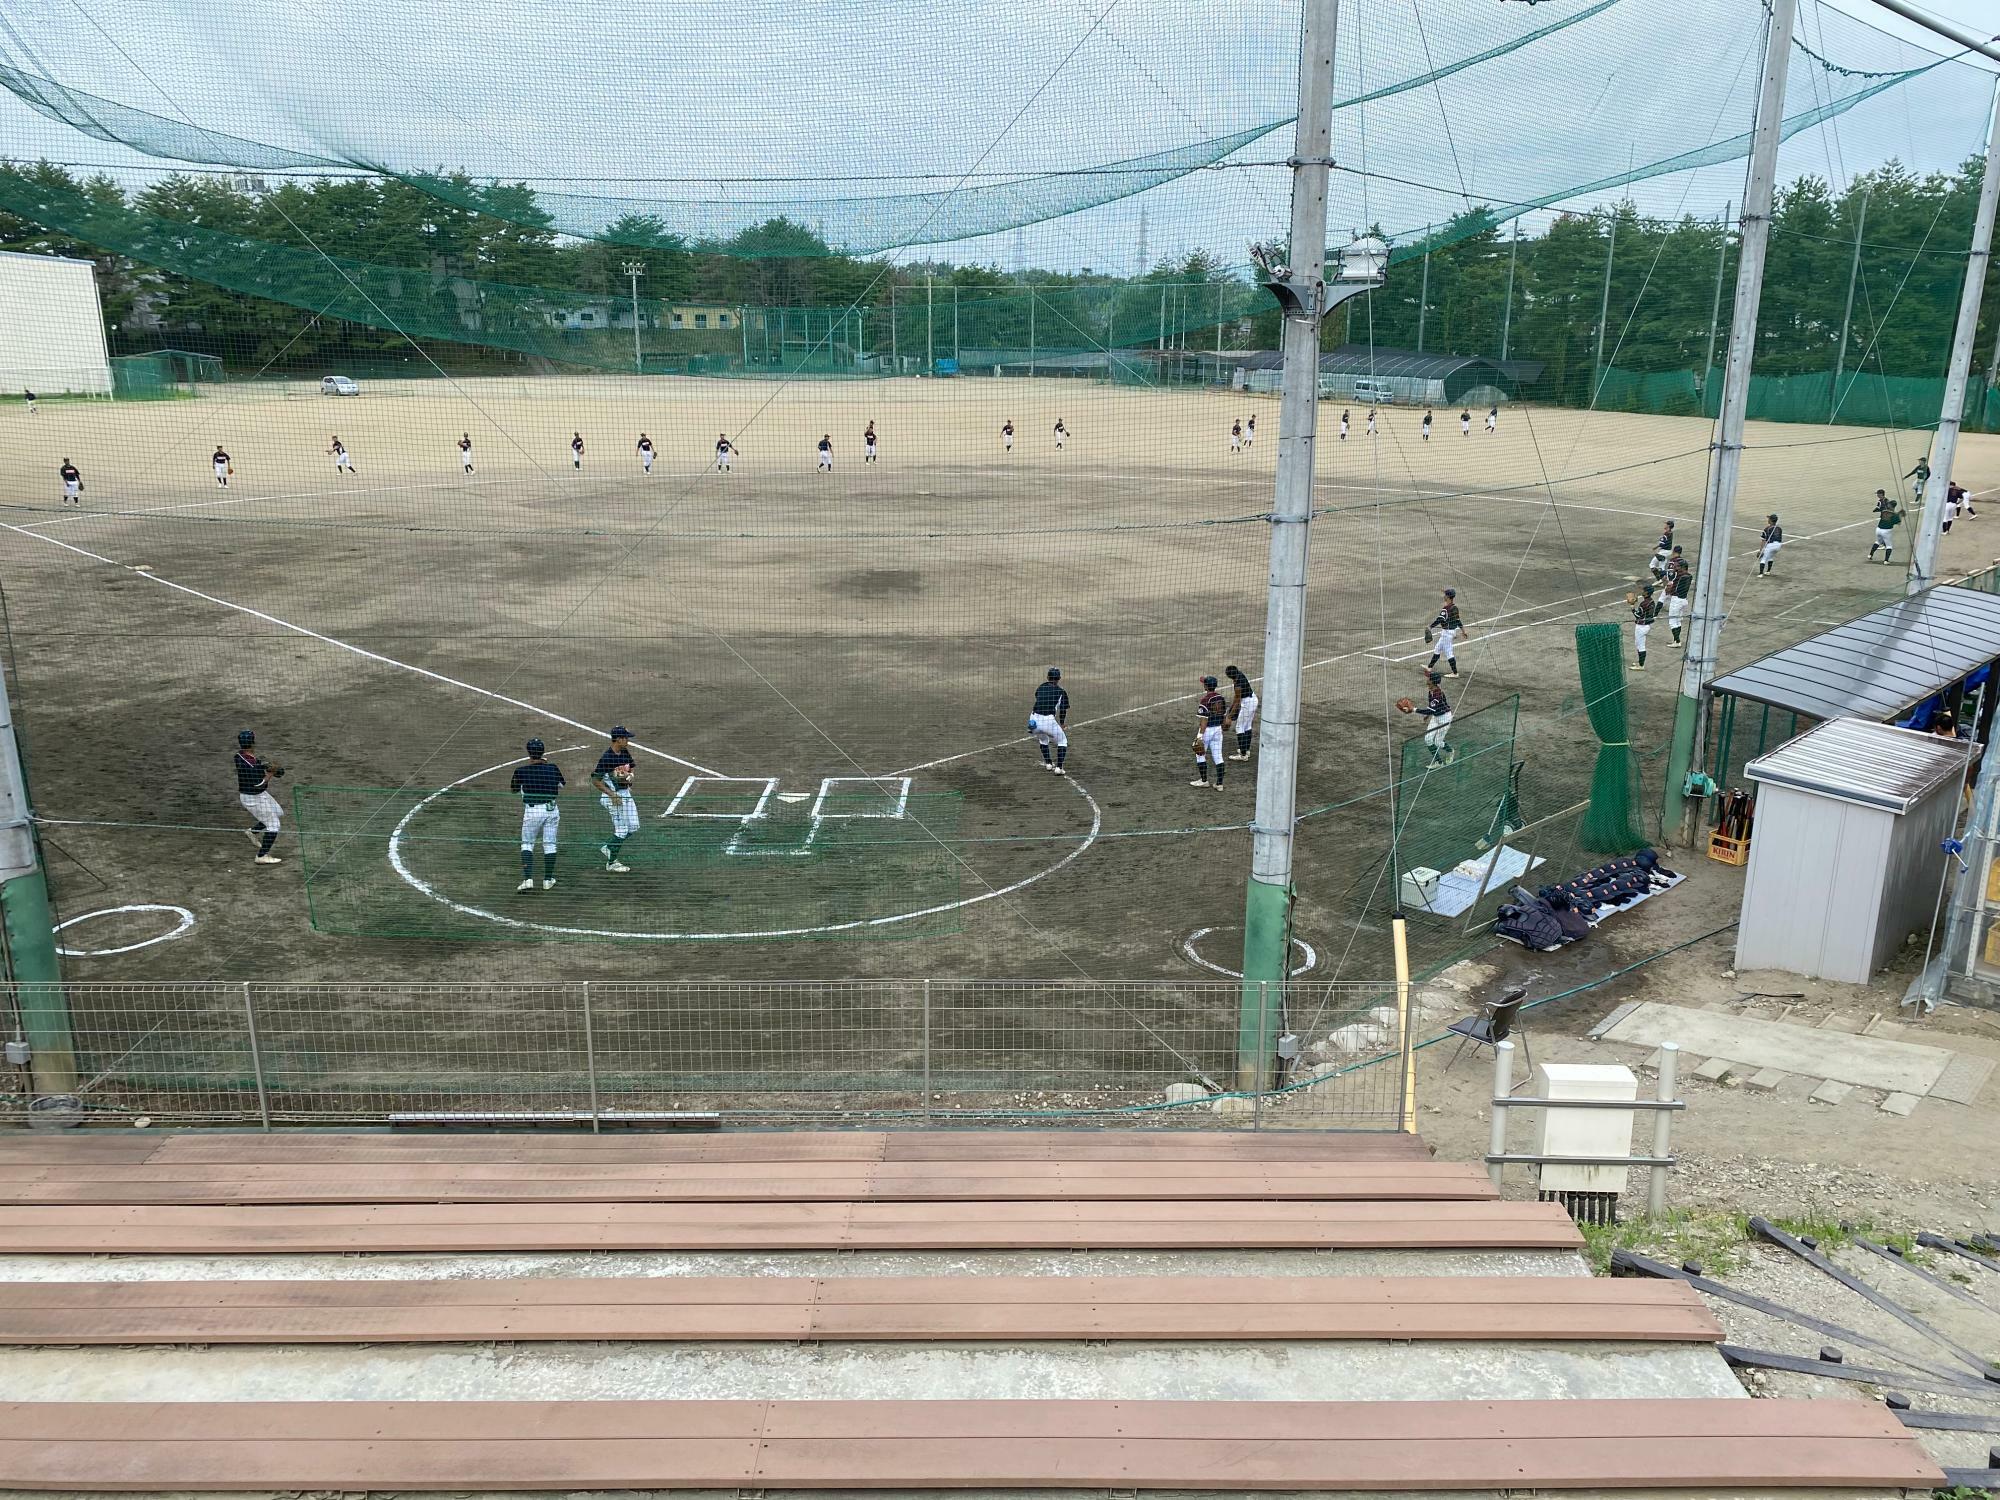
(1716, 1241)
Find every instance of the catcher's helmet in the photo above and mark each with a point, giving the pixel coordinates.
(1055, 674)
(246, 737)
(1647, 587)
(1208, 682)
(1433, 677)
(536, 747)
(1451, 593)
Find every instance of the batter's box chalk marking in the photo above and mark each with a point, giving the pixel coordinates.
(767, 788)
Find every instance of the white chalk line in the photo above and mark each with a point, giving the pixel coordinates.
(464, 909)
(1309, 955)
(214, 504)
(185, 925)
(365, 654)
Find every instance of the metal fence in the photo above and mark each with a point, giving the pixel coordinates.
(810, 1052)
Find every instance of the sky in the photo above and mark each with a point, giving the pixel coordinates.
(868, 98)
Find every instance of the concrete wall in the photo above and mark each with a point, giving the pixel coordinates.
(51, 328)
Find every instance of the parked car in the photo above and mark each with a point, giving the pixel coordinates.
(338, 385)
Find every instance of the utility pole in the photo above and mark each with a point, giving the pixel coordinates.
(1507, 317)
(1847, 314)
(635, 269)
(1718, 512)
(1715, 307)
(1604, 310)
(1951, 416)
(1304, 297)
(1423, 301)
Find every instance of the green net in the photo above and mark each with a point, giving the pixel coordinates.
(859, 859)
(1611, 826)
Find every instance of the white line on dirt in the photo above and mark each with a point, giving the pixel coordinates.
(367, 655)
(154, 510)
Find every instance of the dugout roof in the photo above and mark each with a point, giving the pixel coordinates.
(1880, 665)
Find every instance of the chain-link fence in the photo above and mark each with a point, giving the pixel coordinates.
(811, 1052)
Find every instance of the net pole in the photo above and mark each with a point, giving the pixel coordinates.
(1031, 332)
(1715, 306)
(954, 323)
(1847, 313)
(1302, 297)
(1718, 512)
(1423, 301)
(1951, 415)
(1603, 310)
(1507, 313)
(930, 324)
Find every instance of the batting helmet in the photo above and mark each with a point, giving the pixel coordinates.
(1451, 593)
(1055, 674)
(1434, 678)
(536, 747)
(246, 737)
(620, 732)
(1208, 682)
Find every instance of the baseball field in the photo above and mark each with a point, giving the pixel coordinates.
(832, 670)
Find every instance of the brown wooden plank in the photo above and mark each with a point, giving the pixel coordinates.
(1168, 1445)
(862, 1308)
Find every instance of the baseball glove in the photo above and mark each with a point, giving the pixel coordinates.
(1428, 637)
(1632, 597)
(273, 770)
(1405, 706)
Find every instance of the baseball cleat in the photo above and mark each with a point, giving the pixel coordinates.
(1199, 781)
(1059, 770)
(549, 884)
(526, 885)
(617, 867)
(268, 859)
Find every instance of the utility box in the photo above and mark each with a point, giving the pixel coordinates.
(1420, 887)
(1845, 863)
(1589, 1193)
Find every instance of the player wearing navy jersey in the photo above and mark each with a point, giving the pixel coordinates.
(613, 779)
(1211, 710)
(538, 781)
(1236, 436)
(72, 478)
(1427, 424)
(465, 451)
(724, 452)
(1343, 426)
(1007, 435)
(29, 397)
(1680, 584)
(1242, 709)
(1443, 632)
(1436, 711)
(645, 453)
(1492, 419)
(223, 467)
(1645, 610)
(337, 451)
(1062, 434)
(254, 775)
(826, 453)
(1465, 422)
(1371, 421)
(1772, 537)
(1662, 550)
(576, 450)
(1048, 719)
(1250, 432)
(868, 443)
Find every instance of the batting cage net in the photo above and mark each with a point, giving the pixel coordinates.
(855, 860)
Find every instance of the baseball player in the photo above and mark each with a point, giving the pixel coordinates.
(1007, 436)
(1437, 710)
(1662, 550)
(72, 478)
(1919, 477)
(826, 453)
(253, 789)
(223, 467)
(868, 443)
(1242, 709)
(1236, 436)
(1679, 584)
(465, 451)
(1645, 610)
(29, 397)
(1211, 710)
(1427, 424)
(1957, 493)
(724, 452)
(538, 781)
(613, 779)
(1250, 432)
(576, 450)
(1492, 419)
(1046, 720)
(1465, 422)
(1062, 434)
(1371, 421)
(1773, 537)
(1886, 522)
(645, 453)
(1343, 426)
(1443, 632)
(343, 462)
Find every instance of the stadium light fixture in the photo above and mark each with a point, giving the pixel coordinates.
(1365, 261)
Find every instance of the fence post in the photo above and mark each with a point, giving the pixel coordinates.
(590, 1055)
(256, 1059)
(1503, 1086)
(1263, 1057)
(927, 1052)
(1663, 1127)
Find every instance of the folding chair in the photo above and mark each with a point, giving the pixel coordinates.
(1490, 1027)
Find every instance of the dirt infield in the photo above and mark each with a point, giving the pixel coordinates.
(407, 627)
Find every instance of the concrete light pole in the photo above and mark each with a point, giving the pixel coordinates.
(635, 269)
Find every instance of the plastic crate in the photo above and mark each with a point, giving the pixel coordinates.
(1727, 850)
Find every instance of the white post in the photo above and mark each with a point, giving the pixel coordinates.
(1507, 317)
(1423, 301)
(635, 269)
(1944, 447)
(930, 325)
(1604, 310)
(1663, 1127)
(1847, 314)
(1715, 306)
(1503, 1088)
(1718, 512)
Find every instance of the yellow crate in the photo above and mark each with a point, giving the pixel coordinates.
(1993, 945)
(1993, 881)
(1727, 850)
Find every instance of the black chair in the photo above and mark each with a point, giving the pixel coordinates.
(1490, 1027)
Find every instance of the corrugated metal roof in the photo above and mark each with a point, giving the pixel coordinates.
(1368, 360)
(1881, 664)
(1861, 761)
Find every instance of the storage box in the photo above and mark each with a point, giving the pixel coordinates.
(1419, 888)
(1727, 850)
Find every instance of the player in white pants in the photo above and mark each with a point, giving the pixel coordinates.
(724, 452)
(1062, 434)
(465, 452)
(1772, 537)
(645, 453)
(868, 443)
(1007, 436)
(1492, 419)
(1437, 712)
(826, 453)
(1250, 432)
(253, 789)
(1371, 421)
(1236, 436)
(223, 468)
(1211, 712)
(539, 782)
(1243, 711)
(612, 777)
(343, 461)
(1343, 427)
(1047, 718)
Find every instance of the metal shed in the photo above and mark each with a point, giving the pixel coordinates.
(1845, 862)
